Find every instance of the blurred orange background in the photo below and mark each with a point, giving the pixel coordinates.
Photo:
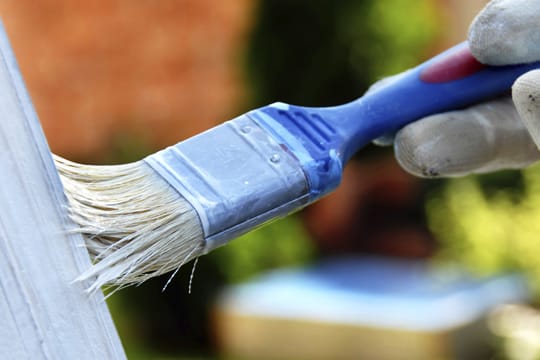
(160, 70)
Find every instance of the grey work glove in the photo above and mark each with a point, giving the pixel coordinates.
(500, 134)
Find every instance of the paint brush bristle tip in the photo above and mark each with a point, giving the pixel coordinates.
(134, 224)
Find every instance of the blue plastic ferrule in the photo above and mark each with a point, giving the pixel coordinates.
(312, 140)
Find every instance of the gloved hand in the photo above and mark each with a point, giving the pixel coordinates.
(500, 134)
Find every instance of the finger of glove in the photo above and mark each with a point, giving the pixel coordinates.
(506, 32)
(483, 138)
(526, 96)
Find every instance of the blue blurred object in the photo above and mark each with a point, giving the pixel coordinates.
(401, 296)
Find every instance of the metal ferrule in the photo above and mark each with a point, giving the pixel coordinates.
(236, 176)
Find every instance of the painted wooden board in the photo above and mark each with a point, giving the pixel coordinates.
(43, 313)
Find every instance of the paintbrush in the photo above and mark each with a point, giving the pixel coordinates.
(147, 218)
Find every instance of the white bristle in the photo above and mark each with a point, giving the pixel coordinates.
(134, 224)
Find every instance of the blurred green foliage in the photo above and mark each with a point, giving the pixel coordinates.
(329, 52)
(128, 147)
(283, 243)
(490, 223)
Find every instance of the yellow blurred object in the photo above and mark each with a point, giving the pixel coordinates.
(244, 337)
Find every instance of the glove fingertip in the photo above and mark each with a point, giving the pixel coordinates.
(483, 138)
(526, 97)
(506, 32)
(414, 150)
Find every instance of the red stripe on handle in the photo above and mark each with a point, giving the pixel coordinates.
(453, 67)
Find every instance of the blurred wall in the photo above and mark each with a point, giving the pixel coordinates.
(159, 70)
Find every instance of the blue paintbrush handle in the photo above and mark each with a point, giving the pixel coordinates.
(280, 158)
(325, 138)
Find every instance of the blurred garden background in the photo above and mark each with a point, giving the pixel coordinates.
(115, 80)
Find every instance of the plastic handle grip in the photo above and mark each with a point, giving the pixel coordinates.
(449, 81)
(454, 65)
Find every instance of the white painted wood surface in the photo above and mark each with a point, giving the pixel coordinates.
(43, 314)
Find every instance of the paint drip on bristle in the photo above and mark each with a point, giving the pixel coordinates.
(134, 224)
